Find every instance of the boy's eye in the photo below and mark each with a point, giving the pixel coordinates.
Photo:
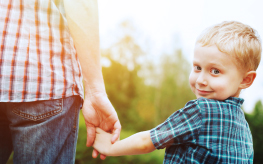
(197, 68)
(215, 71)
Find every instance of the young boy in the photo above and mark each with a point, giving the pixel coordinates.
(212, 128)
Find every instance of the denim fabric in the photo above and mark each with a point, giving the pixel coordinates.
(40, 132)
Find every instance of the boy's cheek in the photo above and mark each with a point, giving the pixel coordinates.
(192, 79)
(219, 84)
(192, 86)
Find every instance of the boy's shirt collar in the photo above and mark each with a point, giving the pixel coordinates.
(232, 100)
(235, 101)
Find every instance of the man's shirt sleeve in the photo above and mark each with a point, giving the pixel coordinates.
(181, 127)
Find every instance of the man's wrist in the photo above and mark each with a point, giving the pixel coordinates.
(95, 88)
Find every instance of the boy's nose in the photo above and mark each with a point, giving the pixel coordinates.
(201, 80)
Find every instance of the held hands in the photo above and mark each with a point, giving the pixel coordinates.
(138, 143)
(103, 142)
(99, 112)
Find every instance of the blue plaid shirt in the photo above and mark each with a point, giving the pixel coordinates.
(206, 131)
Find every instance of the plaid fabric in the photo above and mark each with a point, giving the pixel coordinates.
(38, 60)
(206, 131)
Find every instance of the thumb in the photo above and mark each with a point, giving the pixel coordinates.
(115, 136)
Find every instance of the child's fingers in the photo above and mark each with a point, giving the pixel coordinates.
(102, 157)
(95, 153)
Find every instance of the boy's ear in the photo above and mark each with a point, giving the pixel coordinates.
(248, 79)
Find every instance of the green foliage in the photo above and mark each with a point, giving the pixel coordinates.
(173, 90)
(140, 106)
(120, 84)
(255, 121)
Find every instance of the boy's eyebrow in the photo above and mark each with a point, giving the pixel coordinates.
(217, 64)
(211, 63)
(194, 61)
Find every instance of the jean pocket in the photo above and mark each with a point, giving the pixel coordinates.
(38, 110)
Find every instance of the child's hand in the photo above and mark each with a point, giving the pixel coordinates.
(139, 143)
(102, 142)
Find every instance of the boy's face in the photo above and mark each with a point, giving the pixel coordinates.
(214, 74)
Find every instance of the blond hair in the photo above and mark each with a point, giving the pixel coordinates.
(235, 39)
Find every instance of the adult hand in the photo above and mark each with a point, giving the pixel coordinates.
(83, 22)
(99, 112)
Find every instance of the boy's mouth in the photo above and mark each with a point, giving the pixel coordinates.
(203, 92)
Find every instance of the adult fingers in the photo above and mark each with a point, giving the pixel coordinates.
(91, 134)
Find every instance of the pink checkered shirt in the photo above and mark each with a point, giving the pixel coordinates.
(38, 60)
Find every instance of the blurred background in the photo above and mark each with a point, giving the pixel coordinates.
(147, 48)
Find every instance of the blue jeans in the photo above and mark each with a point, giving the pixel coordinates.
(40, 132)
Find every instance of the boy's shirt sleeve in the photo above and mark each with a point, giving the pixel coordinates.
(181, 127)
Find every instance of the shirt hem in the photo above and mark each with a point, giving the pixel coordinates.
(41, 99)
